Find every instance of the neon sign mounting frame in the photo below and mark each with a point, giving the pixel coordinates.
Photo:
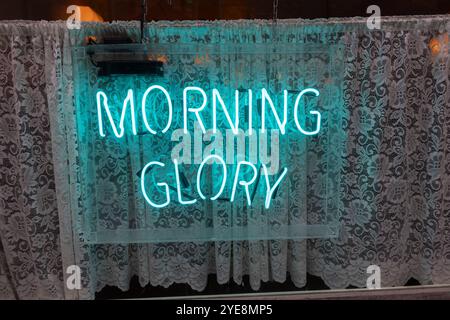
(86, 217)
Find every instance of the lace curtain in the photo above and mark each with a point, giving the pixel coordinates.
(395, 177)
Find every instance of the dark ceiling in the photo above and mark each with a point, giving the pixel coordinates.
(217, 9)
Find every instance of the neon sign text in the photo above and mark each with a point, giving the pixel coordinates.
(217, 100)
(245, 183)
(197, 106)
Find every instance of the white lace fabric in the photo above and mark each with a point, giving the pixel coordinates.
(395, 204)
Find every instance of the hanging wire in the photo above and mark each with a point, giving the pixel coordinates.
(143, 18)
(275, 11)
(275, 20)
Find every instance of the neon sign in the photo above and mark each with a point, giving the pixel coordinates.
(218, 106)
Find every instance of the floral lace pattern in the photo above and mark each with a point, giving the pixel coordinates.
(395, 184)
